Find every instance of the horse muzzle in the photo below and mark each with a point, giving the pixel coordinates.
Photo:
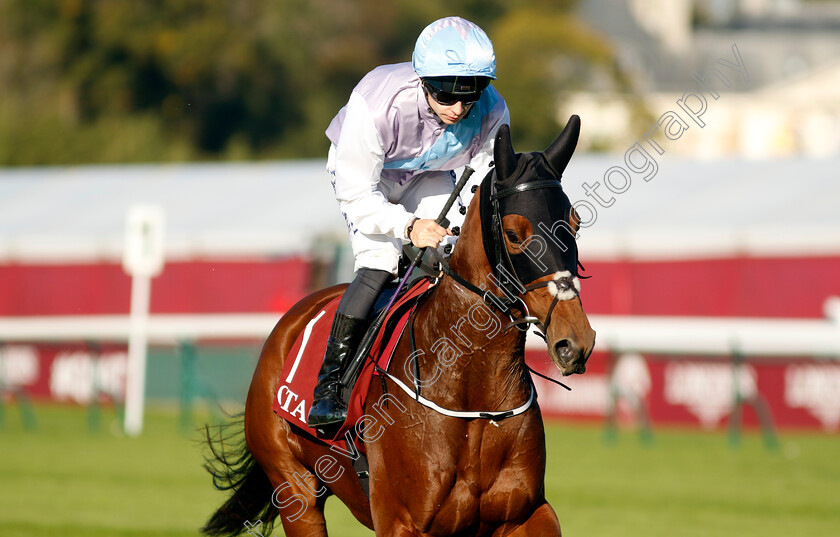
(569, 357)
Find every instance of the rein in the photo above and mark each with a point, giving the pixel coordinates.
(493, 415)
(514, 291)
(505, 304)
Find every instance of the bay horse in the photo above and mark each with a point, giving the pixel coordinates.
(465, 454)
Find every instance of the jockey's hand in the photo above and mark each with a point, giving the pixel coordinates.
(427, 233)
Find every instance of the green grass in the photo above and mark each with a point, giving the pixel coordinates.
(63, 480)
(688, 483)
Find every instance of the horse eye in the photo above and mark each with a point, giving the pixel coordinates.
(511, 236)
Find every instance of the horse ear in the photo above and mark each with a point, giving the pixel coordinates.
(503, 154)
(560, 151)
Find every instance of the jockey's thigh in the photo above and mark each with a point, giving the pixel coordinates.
(375, 251)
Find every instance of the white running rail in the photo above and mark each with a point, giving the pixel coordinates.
(657, 335)
(162, 329)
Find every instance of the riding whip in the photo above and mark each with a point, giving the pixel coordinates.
(370, 335)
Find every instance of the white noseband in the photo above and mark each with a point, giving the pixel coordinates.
(564, 293)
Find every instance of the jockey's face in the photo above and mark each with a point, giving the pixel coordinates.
(449, 114)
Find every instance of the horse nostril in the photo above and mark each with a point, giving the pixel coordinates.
(564, 350)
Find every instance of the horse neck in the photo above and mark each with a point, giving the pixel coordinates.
(466, 336)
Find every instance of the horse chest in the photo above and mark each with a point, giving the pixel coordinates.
(488, 480)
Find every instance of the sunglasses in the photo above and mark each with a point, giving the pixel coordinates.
(448, 99)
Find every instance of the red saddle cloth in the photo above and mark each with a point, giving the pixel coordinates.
(293, 397)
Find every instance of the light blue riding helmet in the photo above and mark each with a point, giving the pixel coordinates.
(454, 47)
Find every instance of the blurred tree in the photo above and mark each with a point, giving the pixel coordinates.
(108, 81)
(204, 66)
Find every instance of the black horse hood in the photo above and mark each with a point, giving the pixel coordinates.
(528, 185)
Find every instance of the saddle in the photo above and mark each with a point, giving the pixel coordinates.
(300, 372)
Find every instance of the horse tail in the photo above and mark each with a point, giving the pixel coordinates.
(234, 468)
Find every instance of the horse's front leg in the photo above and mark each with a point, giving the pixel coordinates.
(543, 521)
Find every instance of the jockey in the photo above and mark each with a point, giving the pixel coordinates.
(395, 146)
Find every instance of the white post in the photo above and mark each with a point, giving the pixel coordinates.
(142, 259)
(135, 380)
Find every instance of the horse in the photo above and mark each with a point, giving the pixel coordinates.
(454, 435)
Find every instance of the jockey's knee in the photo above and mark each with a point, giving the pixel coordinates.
(365, 288)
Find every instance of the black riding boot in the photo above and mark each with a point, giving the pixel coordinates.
(327, 406)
